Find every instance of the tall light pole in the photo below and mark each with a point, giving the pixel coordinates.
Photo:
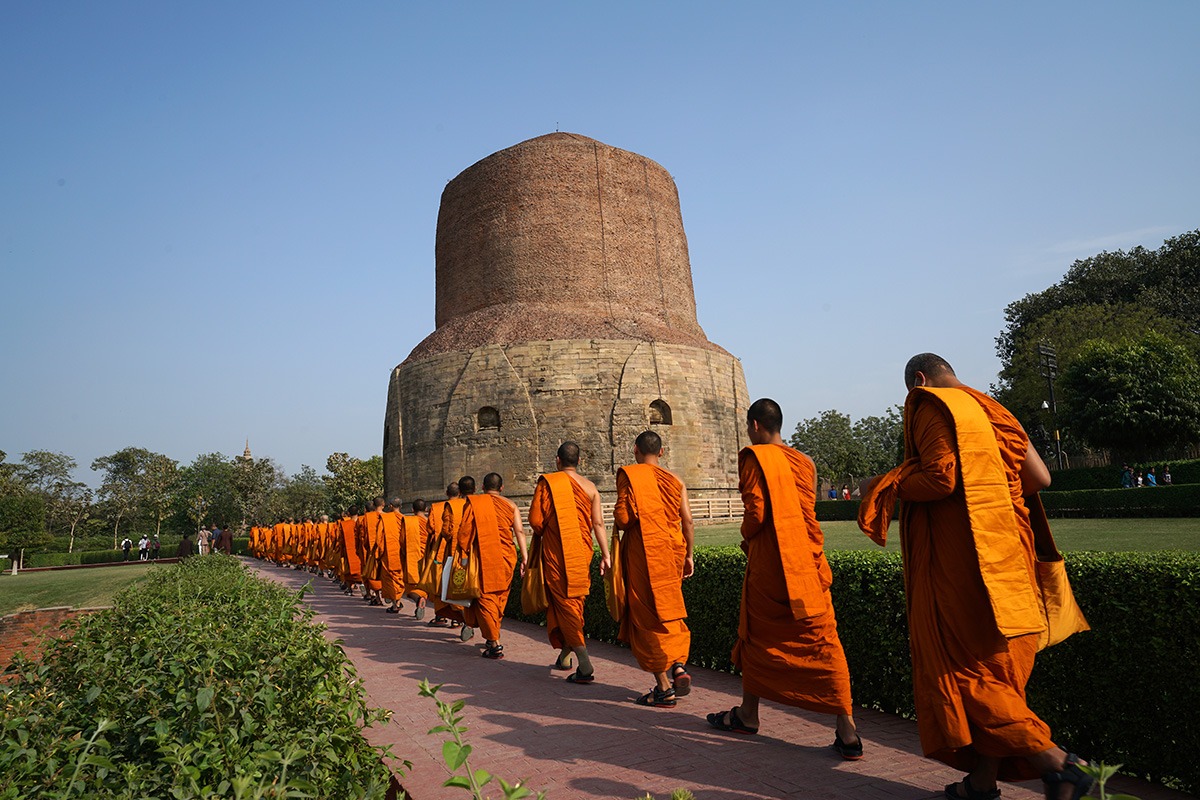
(1048, 360)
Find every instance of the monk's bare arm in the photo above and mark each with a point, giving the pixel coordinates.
(1035, 476)
(519, 535)
(598, 528)
(936, 476)
(689, 533)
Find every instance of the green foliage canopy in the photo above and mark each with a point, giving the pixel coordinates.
(1136, 398)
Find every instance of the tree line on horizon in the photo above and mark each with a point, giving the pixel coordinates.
(142, 492)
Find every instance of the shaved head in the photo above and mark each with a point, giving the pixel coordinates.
(492, 482)
(568, 454)
(420, 505)
(452, 490)
(931, 365)
(466, 485)
(767, 414)
(648, 443)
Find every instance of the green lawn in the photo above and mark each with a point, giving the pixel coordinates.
(80, 588)
(1070, 534)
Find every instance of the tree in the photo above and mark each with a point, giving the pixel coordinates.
(1107, 297)
(351, 480)
(304, 495)
(48, 474)
(121, 489)
(881, 440)
(159, 480)
(829, 441)
(254, 480)
(22, 523)
(206, 491)
(76, 507)
(1137, 398)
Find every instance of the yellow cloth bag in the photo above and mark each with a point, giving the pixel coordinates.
(464, 583)
(533, 585)
(614, 580)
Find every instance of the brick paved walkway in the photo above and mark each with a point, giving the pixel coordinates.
(572, 741)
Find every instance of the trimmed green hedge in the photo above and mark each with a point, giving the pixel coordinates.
(238, 698)
(1077, 478)
(1124, 691)
(1161, 501)
(837, 510)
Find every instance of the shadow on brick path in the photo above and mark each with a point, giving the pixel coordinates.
(526, 722)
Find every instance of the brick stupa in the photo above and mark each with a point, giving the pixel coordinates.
(565, 310)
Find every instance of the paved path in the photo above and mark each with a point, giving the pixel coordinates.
(572, 741)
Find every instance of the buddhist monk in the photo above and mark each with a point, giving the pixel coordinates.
(788, 648)
(350, 566)
(490, 523)
(445, 614)
(413, 532)
(969, 510)
(656, 555)
(565, 512)
(372, 550)
(391, 558)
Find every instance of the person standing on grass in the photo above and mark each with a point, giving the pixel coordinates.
(656, 557)
(788, 647)
(968, 522)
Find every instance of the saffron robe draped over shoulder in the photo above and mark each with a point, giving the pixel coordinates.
(391, 560)
(788, 647)
(412, 545)
(350, 561)
(487, 528)
(371, 550)
(652, 557)
(561, 513)
(448, 522)
(975, 609)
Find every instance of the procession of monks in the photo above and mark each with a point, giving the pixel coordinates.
(983, 580)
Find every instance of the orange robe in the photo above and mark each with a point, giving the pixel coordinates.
(351, 566)
(974, 606)
(280, 545)
(449, 520)
(412, 545)
(370, 545)
(788, 647)
(652, 556)
(561, 513)
(488, 523)
(391, 560)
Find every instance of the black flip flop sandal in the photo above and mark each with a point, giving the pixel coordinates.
(733, 724)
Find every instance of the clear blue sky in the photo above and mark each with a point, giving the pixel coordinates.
(217, 219)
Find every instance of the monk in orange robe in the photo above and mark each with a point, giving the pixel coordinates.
(490, 523)
(565, 512)
(969, 512)
(371, 550)
(391, 558)
(445, 614)
(788, 647)
(656, 556)
(348, 566)
(413, 532)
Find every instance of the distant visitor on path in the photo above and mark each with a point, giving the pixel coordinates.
(788, 648)
(565, 512)
(971, 515)
(656, 555)
(126, 546)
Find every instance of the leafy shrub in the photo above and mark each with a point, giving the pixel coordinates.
(1077, 478)
(51, 559)
(164, 697)
(1162, 501)
(837, 510)
(1119, 691)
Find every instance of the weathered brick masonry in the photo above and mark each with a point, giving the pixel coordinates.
(565, 310)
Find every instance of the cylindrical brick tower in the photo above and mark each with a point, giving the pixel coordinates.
(565, 310)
